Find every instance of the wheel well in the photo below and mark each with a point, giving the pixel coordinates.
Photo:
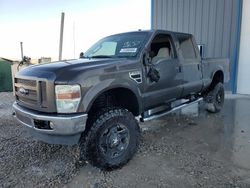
(118, 97)
(218, 77)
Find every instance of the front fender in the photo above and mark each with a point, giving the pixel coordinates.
(95, 91)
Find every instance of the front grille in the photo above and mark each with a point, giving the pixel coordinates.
(43, 88)
(31, 92)
(27, 100)
(25, 82)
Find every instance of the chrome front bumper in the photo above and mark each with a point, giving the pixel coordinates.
(60, 129)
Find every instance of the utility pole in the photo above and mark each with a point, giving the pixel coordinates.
(21, 45)
(74, 40)
(61, 36)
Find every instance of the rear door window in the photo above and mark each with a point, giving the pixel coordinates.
(186, 46)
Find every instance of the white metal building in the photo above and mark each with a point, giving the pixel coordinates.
(221, 26)
(243, 79)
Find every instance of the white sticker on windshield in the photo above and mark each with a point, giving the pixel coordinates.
(128, 50)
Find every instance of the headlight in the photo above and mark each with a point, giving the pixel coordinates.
(67, 98)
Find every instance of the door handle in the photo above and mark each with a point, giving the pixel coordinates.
(198, 66)
(178, 69)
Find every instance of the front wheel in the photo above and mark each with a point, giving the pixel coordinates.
(215, 98)
(112, 139)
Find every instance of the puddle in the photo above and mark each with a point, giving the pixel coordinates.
(239, 123)
(227, 134)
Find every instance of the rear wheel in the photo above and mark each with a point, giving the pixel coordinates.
(112, 139)
(215, 98)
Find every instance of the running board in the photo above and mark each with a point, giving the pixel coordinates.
(172, 110)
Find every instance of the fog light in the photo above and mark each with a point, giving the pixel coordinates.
(41, 124)
(51, 125)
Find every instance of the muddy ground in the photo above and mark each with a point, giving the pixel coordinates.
(179, 150)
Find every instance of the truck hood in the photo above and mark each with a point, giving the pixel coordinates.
(54, 70)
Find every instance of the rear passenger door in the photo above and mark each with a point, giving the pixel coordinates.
(190, 64)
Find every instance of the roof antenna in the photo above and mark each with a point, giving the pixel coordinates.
(139, 29)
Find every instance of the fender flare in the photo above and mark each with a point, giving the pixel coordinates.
(93, 93)
(218, 68)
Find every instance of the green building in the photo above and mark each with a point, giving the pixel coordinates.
(5, 75)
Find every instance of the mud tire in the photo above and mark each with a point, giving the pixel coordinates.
(215, 98)
(112, 139)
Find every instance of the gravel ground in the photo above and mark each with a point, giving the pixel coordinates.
(25, 162)
(176, 151)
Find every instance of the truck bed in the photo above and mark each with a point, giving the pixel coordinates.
(210, 65)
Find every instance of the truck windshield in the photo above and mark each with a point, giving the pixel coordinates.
(121, 45)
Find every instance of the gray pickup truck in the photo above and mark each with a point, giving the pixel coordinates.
(96, 101)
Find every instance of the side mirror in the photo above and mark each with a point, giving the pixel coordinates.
(153, 74)
(146, 58)
(26, 60)
(81, 55)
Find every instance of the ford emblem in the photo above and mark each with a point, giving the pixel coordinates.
(23, 91)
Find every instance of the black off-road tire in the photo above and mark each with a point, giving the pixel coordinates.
(112, 139)
(215, 98)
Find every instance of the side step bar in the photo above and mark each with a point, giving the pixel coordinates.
(154, 116)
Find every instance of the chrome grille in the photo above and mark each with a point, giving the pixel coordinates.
(31, 83)
(43, 90)
(31, 92)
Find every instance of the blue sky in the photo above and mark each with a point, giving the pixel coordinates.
(36, 24)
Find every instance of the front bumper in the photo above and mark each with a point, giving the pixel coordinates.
(52, 128)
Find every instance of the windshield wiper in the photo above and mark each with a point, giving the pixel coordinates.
(123, 56)
(101, 56)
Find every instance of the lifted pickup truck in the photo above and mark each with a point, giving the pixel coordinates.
(93, 101)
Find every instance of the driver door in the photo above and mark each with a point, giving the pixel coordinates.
(167, 66)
